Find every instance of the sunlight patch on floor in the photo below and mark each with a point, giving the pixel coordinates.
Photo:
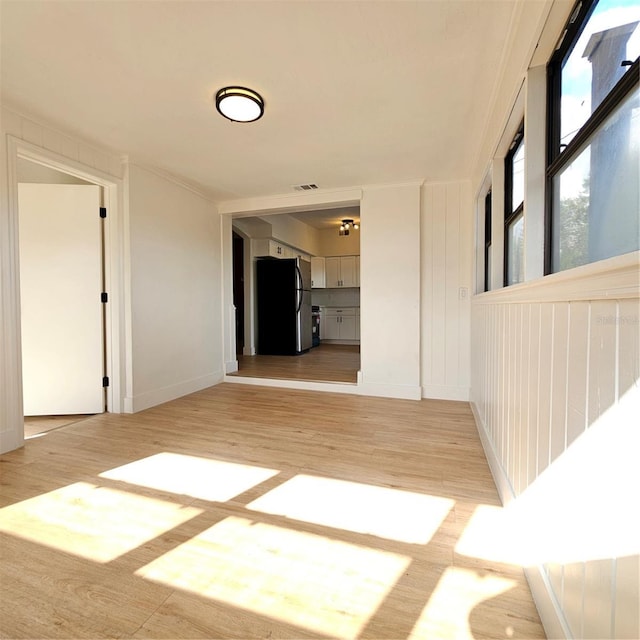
(448, 612)
(96, 523)
(362, 508)
(202, 478)
(322, 585)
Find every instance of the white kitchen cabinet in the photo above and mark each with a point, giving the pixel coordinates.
(318, 280)
(274, 249)
(269, 248)
(332, 272)
(348, 271)
(340, 324)
(357, 271)
(341, 272)
(330, 327)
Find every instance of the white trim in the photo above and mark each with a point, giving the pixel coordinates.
(553, 620)
(479, 228)
(402, 392)
(231, 366)
(535, 171)
(115, 346)
(505, 490)
(332, 387)
(613, 279)
(416, 182)
(165, 394)
(445, 392)
(399, 391)
(174, 179)
(27, 116)
(11, 407)
(291, 201)
(551, 614)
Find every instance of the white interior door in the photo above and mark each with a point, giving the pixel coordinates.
(60, 285)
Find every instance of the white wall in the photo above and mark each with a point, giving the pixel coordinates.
(176, 290)
(294, 233)
(390, 291)
(555, 391)
(446, 276)
(332, 244)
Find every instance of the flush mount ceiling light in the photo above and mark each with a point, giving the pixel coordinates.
(346, 226)
(239, 104)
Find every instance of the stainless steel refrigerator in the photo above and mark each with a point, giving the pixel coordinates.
(284, 306)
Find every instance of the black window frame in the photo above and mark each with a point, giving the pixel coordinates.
(558, 158)
(510, 214)
(487, 239)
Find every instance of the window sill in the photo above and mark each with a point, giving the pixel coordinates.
(612, 279)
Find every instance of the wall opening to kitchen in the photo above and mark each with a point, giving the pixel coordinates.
(311, 237)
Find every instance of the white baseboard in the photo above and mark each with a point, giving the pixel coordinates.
(402, 392)
(500, 478)
(399, 391)
(307, 385)
(553, 619)
(555, 624)
(445, 392)
(231, 366)
(165, 394)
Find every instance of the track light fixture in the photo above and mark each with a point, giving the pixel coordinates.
(347, 225)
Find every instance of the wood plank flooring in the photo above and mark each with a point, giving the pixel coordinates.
(325, 363)
(35, 425)
(252, 512)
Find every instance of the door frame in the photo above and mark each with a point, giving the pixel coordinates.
(114, 264)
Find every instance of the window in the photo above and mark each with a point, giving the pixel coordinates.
(487, 241)
(594, 132)
(514, 211)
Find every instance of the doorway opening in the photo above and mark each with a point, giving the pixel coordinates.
(61, 252)
(311, 236)
(238, 289)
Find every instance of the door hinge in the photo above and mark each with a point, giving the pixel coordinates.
(104, 297)
(105, 381)
(103, 212)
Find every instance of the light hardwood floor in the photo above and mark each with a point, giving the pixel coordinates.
(325, 363)
(36, 425)
(250, 512)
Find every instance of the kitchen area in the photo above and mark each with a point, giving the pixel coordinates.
(301, 316)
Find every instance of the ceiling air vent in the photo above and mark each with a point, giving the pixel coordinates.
(305, 187)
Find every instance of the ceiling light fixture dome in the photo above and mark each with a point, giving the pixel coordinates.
(239, 104)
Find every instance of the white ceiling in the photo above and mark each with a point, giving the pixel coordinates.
(356, 92)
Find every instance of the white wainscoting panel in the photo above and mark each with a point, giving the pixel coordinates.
(554, 368)
(446, 277)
